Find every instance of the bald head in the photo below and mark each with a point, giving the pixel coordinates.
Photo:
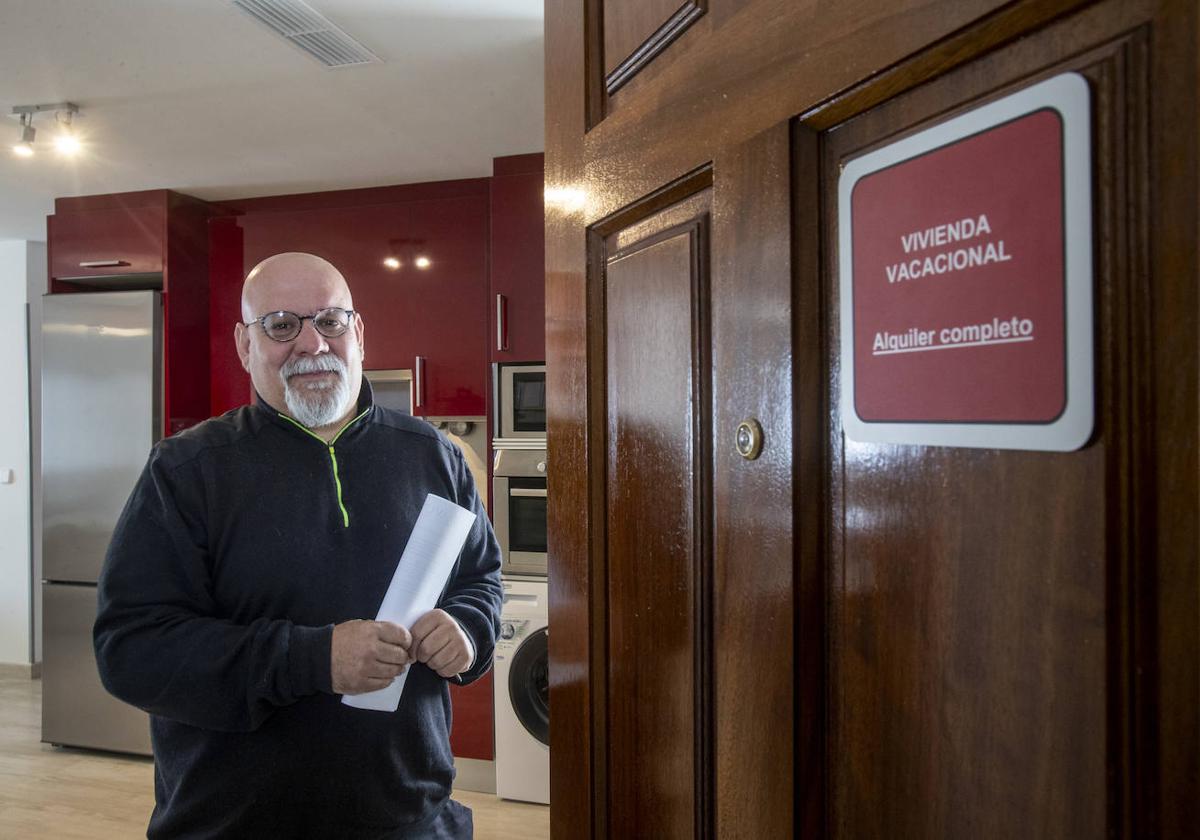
(312, 377)
(287, 275)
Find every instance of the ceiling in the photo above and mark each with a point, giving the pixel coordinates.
(196, 96)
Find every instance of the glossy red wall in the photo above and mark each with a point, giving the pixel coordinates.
(439, 313)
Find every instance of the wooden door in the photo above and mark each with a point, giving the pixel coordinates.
(839, 638)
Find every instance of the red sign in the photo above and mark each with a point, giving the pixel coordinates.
(959, 280)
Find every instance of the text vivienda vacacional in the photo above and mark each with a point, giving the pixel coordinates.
(950, 260)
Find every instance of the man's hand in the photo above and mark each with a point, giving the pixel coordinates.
(440, 643)
(368, 655)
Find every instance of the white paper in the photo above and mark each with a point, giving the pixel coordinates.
(437, 538)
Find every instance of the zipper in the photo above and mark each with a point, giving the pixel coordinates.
(337, 480)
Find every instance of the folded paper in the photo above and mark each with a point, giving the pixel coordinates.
(421, 575)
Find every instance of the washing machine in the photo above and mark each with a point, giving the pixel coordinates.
(522, 686)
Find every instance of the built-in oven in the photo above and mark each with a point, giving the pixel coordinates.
(520, 390)
(519, 509)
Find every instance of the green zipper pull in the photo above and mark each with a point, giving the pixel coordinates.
(338, 483)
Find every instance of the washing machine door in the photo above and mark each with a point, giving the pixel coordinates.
(529, 685)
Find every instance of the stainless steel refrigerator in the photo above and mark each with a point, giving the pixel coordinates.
(101, 413)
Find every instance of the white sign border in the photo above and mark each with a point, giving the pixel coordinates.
(1069, 95)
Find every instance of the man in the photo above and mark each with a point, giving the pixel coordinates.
(234, 599)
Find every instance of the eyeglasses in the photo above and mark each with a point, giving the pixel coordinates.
(285, 326)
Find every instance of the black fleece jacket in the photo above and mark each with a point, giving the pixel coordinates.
(245, 540)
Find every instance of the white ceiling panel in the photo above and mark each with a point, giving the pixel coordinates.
(197, 96)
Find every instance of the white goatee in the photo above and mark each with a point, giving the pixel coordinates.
(319, 403)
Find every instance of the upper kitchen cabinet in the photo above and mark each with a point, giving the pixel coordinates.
(155, 239)
(107, 242)
(517, 283)
(416, 260)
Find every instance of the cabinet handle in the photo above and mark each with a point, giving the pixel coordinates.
(524, 493)
(419, 383)
(103, 264)
(501, 322)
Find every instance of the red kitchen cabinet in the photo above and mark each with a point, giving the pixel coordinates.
(418, 271)
(110, 241)
(447, 320)
(155, 239)
(517, 316)
(471, 735)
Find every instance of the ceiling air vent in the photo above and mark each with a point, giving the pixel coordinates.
(302, 26)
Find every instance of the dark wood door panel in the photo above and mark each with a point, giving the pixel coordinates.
(978, 649)
(652, 553)
(754, 624)
(653, 293)
(744, 66)
(969, 651)
(635, 31)
(886, 641)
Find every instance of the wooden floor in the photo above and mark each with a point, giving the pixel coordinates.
(50, 792)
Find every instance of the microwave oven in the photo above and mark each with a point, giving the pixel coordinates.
(520, 401)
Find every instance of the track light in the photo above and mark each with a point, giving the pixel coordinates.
(65, 140)
(24, 146)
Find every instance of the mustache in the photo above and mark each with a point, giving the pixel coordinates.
(313, 364)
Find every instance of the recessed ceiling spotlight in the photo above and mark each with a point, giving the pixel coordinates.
(405, 254)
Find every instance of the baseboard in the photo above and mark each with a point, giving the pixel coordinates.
(475, 774)
(21, 670)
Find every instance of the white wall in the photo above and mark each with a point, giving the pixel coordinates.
(21, 264)
(38, 275)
